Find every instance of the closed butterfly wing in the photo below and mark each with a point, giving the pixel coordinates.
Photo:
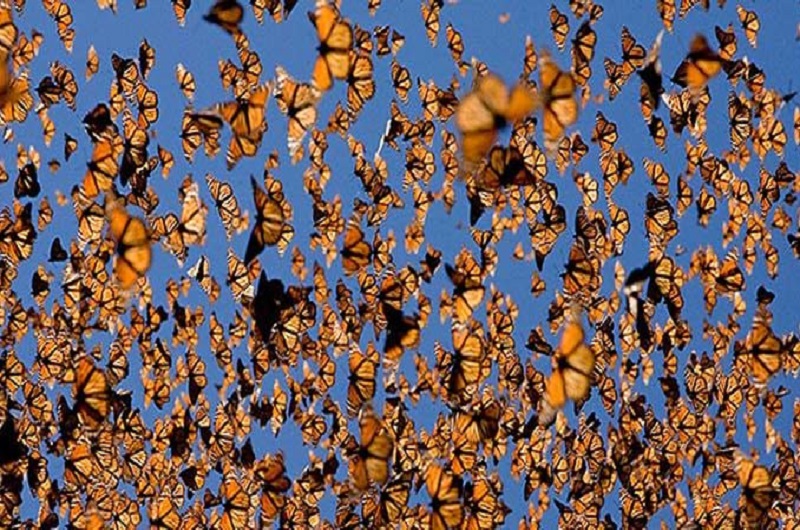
(356, 252)
(486, 109)
(269, 223)
(700, 66)
(557, 95)
(226, 14)
(134, 253)
(335, 42)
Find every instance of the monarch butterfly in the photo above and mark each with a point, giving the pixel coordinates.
(57, 251)
(91, 393)
(180, 8)
(652, 83)
(127, 74)
(754, 77)
(683, 111)
(401, 80)
(660, 220)
(166, 159)
(616, 77)
(420, 167)
(362, 44)
(445, 490)
(437, 102)
(391, 504)
(17, 235)
(765, 349)
(573, 364)
(559, 26)
(226, 14)
(633, 53)
(730, 278)
(356, 252)
(79, 459)
(750, 24)
(666, 284)
(604, 133)
(700, 66)
(469, 363)
(468, 433)
(40, 285)
(581, 274)
(186, 81)
(65, 82)
(135, 148)
(90, 215)
(273, 7)
(246, 119)
(727, 42)
(658, 177)
(633, 289)
(530, 60)
(582, 53)
(132, 237)
(455, 44)
(243, 79)
(15, 97)
(335, 42)
(370, 463)
(546, 233)
(360, 82)
(200, 129)
(48, 133)
(468, 289)
(271, 472)
(658, 132)
(27, 182)
(134, 158)
(147, 100)
(505, 167)
(49, 91)
(201, 272)
(770, 134)
(486, 510)
(269, 223)
(26, 49)
(192, 226)
(299, 102)
(147, 58)
(63, 16)
(92, 63)
(162, 511)
(219, 347)
(758, 491)
(485, 110)
(98, 125)
(588, 188)
(227, 206)
(557, 97)
(236, 505)
(431, 10)
(403, 332)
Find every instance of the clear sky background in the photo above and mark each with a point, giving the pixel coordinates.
(199, 46)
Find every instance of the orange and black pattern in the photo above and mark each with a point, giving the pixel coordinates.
(417, 290)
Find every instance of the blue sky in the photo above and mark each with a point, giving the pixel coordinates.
(199, 46)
